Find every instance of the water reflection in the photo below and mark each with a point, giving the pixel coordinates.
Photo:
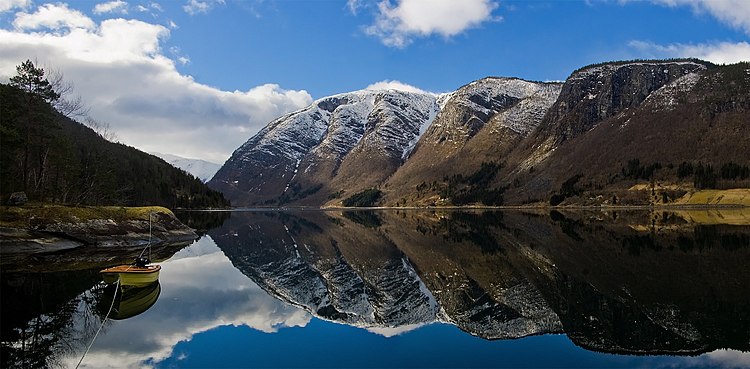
(128, 301)
(622, 283)
(625, 283)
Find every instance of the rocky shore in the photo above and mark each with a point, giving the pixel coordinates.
(42, 236)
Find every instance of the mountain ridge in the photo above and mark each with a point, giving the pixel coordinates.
(506, 140)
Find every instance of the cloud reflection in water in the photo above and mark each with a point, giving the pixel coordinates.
(201, 290)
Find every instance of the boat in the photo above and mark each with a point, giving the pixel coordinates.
(140, 273)
(132, 275)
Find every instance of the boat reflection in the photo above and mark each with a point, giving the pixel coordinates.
(129, 301)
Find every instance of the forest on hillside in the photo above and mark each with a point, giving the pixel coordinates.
(55, 159)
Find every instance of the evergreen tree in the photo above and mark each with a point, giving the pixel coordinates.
(38, 90)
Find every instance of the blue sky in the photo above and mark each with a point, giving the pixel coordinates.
(197, 78)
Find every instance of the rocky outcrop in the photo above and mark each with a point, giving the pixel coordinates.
(91, 240)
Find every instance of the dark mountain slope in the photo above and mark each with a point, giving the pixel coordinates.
(70, 163)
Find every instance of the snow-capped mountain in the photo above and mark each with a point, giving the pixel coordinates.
(362, 135)
(201, 169)
(501, 140)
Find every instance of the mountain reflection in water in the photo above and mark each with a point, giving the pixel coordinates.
(624, 283)
(627, 285)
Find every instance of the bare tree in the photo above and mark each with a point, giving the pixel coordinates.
(70, 104)
(101, 128)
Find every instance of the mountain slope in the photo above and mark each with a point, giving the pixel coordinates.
(480, 122)
(695, 114)
(70, 163)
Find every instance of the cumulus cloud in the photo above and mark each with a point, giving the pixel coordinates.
(120, 70)
(53, 17)
(397, 25)
(720, 53)
(116, 6)
(6, 5)
(394, 85)
(735, 13)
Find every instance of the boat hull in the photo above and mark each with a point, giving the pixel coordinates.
(130, 275)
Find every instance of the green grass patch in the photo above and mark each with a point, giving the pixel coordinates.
(36, 215)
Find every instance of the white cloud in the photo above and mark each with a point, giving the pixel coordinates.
(6, 5)
(720, 53)
(394, 85)
(354, 6)
(52, 16)
(194, 7)
(735, 13)
(121, 71)
(116, 6)
(398, 25)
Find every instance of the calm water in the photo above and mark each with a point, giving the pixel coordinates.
(407, 289)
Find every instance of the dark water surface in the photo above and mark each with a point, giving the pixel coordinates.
(407, 289)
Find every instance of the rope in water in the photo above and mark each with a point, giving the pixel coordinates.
(117, 285)
(111, 306)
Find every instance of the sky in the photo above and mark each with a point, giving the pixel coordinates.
(197, 78)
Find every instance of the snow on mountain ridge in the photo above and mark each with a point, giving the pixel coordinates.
(201, 169)
(325, 125)
(608, 68)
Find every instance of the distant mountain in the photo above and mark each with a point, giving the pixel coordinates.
(56, 159)
(667, 126)
(201, 169)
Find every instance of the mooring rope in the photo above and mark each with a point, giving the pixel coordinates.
(117, 286)
(148, 245)
(111, 306)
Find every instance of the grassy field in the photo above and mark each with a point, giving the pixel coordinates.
(33, 215)
(738, 196)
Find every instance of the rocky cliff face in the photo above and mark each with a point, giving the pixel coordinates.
(595, 93)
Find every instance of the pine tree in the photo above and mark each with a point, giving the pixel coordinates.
(32, 81)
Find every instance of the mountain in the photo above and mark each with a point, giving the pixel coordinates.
(479, 123)
(201, 169)
(631, 132)
(56, 159)
(342, 143)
